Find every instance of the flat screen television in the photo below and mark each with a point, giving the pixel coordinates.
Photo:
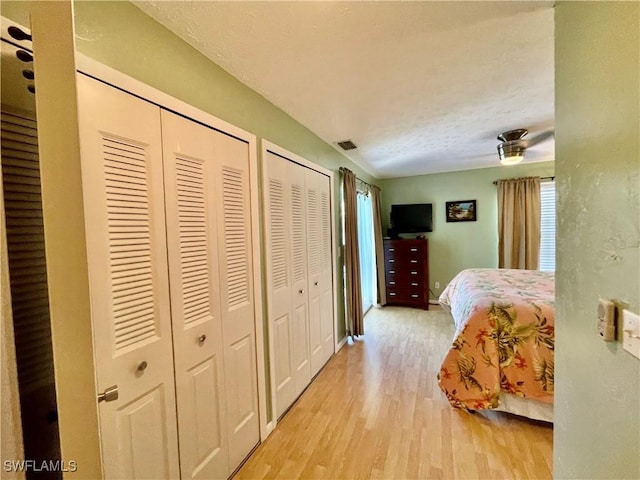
(411, 218)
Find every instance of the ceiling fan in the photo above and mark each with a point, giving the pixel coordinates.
(513, 146)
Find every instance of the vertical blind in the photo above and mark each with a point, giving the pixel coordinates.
(548, 226)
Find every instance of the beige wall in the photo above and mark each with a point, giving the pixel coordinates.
(456, 246)
(597, 403)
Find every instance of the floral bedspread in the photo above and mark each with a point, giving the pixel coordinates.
(504, 338)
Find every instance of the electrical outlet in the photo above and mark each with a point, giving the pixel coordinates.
(607, 320)
(437, 284)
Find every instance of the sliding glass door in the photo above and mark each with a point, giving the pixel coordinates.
(367, 251)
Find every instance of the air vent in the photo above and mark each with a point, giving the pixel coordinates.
(347, 145)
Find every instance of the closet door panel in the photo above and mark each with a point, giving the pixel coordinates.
(189, 167)
(126, 244)
(326, 294)
(314, 259)
(279, 287)
(299, 298)
(236, 294)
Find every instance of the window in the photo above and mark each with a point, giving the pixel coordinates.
(548, 227)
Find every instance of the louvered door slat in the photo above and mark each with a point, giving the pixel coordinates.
(234, 222)
(278, 231)
(298, 232)
(25, 248)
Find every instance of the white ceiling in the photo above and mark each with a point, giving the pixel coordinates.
(420, 87)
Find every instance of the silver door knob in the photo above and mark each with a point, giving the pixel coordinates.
(142, 366)
(109, 395)
(202, 338)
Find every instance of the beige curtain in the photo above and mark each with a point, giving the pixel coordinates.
(354, 317)
(519, 223)
(377, 238)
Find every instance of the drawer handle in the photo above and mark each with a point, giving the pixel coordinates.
(414, 284)
(392, 294)
(392, 271)
(392, 249)
(392, 283)
(414, 261)
(414, 249)
(414, 273)
(391, 261)
(414, 296)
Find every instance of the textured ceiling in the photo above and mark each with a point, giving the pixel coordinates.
(420, 87)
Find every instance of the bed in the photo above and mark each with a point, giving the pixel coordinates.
(501, 357)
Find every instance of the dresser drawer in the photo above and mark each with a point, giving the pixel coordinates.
(403, 274)
(403, 295)
(405, 255)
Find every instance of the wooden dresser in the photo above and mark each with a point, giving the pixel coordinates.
(406, 269)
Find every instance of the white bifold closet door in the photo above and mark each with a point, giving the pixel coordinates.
(237, 302)
(287, 283)
(121, 147)
(169, 228)
(299, 270)
(190, 191)
(208, 227)
(319, 269)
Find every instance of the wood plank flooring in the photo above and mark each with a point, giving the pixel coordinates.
(375, 411)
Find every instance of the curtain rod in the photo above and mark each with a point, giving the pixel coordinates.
(541, 178)
(342, 169)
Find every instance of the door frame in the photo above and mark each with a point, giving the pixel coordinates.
(269, 147)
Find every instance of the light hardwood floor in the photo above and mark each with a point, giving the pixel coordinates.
(375, 411)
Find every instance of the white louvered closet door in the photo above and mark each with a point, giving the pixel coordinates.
(279, 290)
(299, 274)
(327, 320)
(236, 294)
(299, 294)
(125, 225)
(314, 260)
(189, 169)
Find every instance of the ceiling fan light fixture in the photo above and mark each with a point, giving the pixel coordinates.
(510, 154)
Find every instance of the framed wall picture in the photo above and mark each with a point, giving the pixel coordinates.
(462, 211)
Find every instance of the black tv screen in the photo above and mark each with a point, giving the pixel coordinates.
(411, 218)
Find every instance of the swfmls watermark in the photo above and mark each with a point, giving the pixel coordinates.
(40, 466)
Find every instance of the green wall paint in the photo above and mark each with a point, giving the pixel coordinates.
(597, 403)
(120, 35)
(16, 11)
(456, 246)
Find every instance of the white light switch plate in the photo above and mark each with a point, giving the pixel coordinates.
(631, 332)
